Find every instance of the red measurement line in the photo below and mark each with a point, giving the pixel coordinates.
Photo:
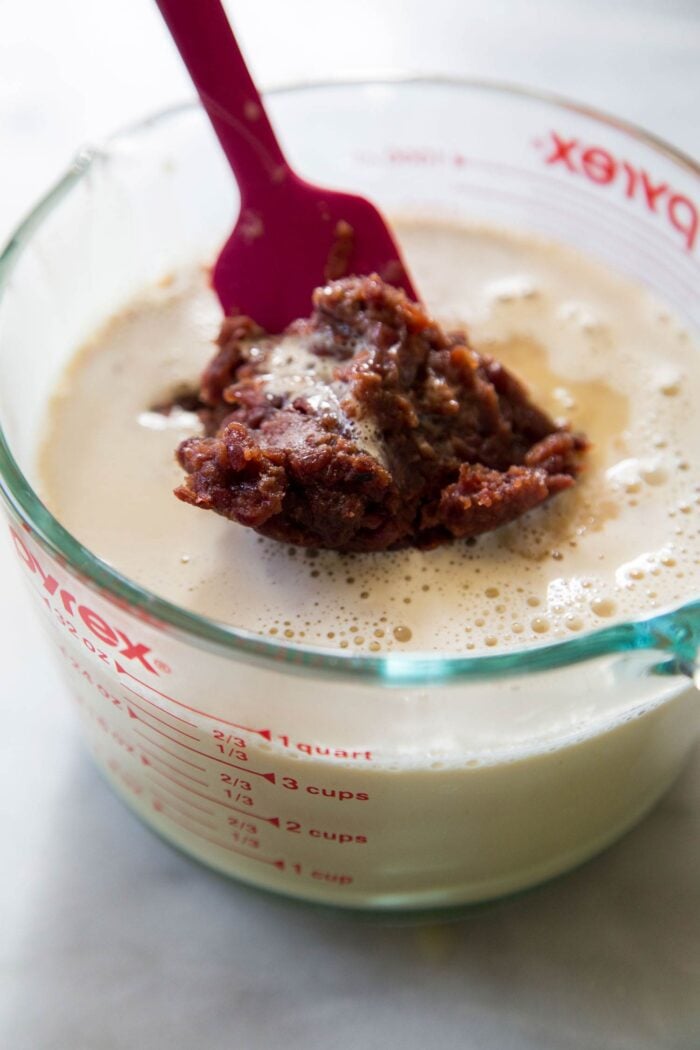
(266, 733)
(158, 792)
(218, 802)
(279, 864)
(167, 750)
(212, 758)
(275, 821)
(163, 802)
(180, 772)
(185, 801)
(195, 805)
(132, 703)
(158, 707)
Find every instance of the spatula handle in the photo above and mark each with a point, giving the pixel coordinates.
(209, 49)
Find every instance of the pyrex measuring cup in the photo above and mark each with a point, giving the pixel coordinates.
(365, 781)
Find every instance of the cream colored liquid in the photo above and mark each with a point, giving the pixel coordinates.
(592, 348)
(397, 796)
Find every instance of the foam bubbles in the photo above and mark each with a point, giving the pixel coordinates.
(622, 542)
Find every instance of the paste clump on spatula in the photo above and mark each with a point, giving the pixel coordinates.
(367, 427)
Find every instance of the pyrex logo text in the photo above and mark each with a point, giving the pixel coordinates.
(95, 623)
(600, 166)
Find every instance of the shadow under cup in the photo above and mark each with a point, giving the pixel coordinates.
(361, 781)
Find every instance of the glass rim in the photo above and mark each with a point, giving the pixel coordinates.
(674, 628)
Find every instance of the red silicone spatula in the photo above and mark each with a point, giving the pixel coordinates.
(287, 228)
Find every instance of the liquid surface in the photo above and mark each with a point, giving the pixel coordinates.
(591, 347)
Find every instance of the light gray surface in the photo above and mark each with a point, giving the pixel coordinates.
(108, 939)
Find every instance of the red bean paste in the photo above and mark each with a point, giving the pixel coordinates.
(367, 427)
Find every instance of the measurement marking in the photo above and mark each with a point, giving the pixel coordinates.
(279, 864)
(185, 801)
(212, 758)
(162, 802)
(158, 707)
(180, 772)
(157, 792)
(195, 805)
(167, 750)
(131, 703)
(265, 733)
(275, 821)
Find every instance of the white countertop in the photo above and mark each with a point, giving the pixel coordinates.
(109, 939)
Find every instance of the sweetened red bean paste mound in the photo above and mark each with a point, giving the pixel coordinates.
(366, 427)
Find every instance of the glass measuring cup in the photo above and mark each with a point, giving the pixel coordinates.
(373, 781)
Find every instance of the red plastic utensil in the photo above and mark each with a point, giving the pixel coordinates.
(281, 245)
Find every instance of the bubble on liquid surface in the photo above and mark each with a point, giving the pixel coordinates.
(478, 590)
(517, 287)
(574, 623)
